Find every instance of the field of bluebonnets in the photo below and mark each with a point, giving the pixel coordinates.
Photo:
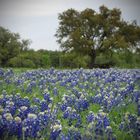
(80, 104)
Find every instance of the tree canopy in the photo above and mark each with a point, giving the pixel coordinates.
(10, 45)
(90, 32)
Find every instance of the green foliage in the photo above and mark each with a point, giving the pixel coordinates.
(126, 59)
(10, 45)
(102, 59)
(72, 60)
(54, 58)
(21, 62)
(91, 33)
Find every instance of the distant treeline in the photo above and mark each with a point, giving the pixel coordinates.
(57, 59)
(15, 52)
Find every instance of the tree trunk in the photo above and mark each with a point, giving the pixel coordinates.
(93, 57)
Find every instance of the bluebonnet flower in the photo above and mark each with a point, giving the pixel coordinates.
(43, 105)
(7, 124)
(81, 103)
(55, 91)
(34, 109)
(55, 130)
(18, 126)
(31, 126)
(73, 133)
(23, 112)
(43, 119)
(36, 100)
(46, 97)
(11, 107)
(138, 106)
(109, 132)
(90, 117)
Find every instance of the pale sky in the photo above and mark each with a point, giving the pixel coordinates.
(37, 20)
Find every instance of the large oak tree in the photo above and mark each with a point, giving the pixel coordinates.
(90, 32)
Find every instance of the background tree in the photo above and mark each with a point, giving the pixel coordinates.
(11, 45)
(92, 33)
